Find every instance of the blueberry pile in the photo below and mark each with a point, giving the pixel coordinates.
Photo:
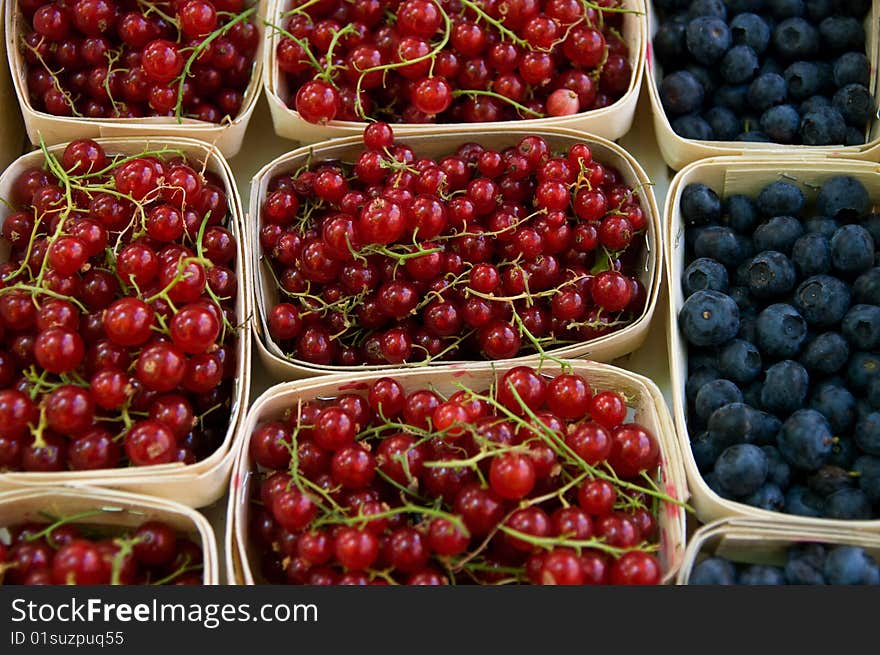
(805, 564)
(783, 71)
(782, 321)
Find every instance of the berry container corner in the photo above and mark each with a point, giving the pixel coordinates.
(765, 542)
(610, 122)
(649, 406)
(603, 349)
(194, 485)
(677, 151)
(227, 137)
(747, 175)
(117, 509)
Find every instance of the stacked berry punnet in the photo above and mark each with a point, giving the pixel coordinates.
(424, 61)
(782, 321)
(536, 479)
(803, 564)
(117, 312)
(70, 551)
(128, 59)
(398, 258)
(782, 71)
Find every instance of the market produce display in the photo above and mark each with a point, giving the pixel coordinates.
(64, 552)
(118, 327)
(425, 61)
(782, 322)
(396, 258)
(782, 71)
(537, 479)
(804, 564)
(128, 59)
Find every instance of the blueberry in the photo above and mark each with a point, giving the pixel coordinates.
(867, 433)
(837, 405)
(739, 64)
(733, 97)
(848, 504)
(780, 331)
(805, 565)
(795, 38)
(741, 469)
(816, 10)
(826, 353)
(861, 326)
(702, 357)
(862, 369)
(705, 451)
(868, 469)
(801, 501)
(778, 470)
(823, 127)
(871, 222)
(786, 384)
(863, 407)
(852, 249)
(765, 427)
(711, 481)
(829, 479)
(716, 394)
(852, 68)
(814, 103)
(772, 65)
(854, 136)
(721, 244)
(778, 233)
(768, 497)
(713, 571)
(843, 197)
(702, 274)
(697, 379)
(811, 255)
(747, 328)
(850, 565)
(822, 300)
(709, 318)
(752, 392)
(771, 274)
(741, 211)
(780, 199)
(740, 361)
(693, 127)
(707, 8)
(750, 30)
(724, 123)
(700, 205)
(826, 77)
(780, 9)
(732, 424)
(855, 103)
(803, 80)
(707, 38)
(866, 288)
(746, 304)
(767, 90)
(805, 440)
(681, 93)
(821, 225)
(873, 394)
(781, 123)
(842, 33)
(762, 576)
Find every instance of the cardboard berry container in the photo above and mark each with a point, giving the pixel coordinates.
(227, 137)
(605, 348)
(678, 151)
(726, 176)
(611, 122)
(113, 508)
(750, 541)
(204, 482)
(644, 399)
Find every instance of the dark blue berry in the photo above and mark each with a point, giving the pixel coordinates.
(721, 244)
(778, 233)
(823, 126)
(852, 250)
(778, 470)
(762, 576)
(742, 213)
(702, 274)
(795, 38)
(805, 440)
(702, 358)
(781, 123)
(705, 451)
(741, 469)
(848, 504)
(850, 565)
(822, 300)
(768, 497)
(767, 90)
(811, 255)
(780, 9)
(842, 33)
(740, 361)
(854, 136)
(852, 68)
(713, 571)
(707, 38)
(724, 123)
(693, 127)
(843, 197)
(866, 288)
(856, 104)
(836, 404)
(803, 80)
(681, 93)
(700, 205)
(814, 103)
(826, 354)
(709, 318)
(716, 394)
(828, 480)
(771, 274)
(868, 470)
(805, 565)
(843, 453)
(739, 64)
(707, 8)
(780, 331)
(733, 97)
(780, 199)
(867, 433)
(786, 385)
(861, 327)
(732, 424)
(750, 30)
(821, 225)
(802, 502)
(697, 379)
(862, 369)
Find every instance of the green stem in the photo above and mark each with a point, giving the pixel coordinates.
(519, 107)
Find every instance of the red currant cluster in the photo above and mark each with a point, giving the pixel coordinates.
(396, 258)
(536, 480)
(422, 61)
(63, 554)
(133, 58)
(117, 313)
